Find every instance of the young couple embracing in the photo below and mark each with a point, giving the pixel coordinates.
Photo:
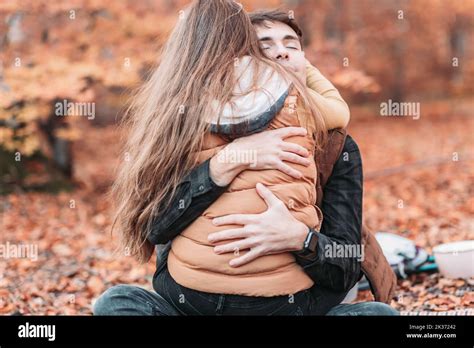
(233, 236)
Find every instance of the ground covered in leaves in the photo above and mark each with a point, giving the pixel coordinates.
(413, 187)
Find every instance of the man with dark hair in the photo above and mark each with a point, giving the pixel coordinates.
(339, 194)
(267, 17)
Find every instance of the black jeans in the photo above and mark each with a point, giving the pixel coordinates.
(192, 302)
(171, 299)
(175, 300)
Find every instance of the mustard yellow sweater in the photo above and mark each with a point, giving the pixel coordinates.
(333, 108)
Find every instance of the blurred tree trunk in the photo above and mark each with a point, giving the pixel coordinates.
(457, 40)
(398, 49)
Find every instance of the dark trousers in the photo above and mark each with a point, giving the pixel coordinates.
(173, 299)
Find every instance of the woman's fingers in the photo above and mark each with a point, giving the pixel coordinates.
(295, 148)
(291, 157)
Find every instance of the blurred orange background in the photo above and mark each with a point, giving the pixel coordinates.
(98, 51)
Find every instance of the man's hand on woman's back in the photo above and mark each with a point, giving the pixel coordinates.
(274, 231)
(268, 150)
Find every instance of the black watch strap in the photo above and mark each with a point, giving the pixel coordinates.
(310, 244)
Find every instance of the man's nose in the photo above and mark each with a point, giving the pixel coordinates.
(282, 54)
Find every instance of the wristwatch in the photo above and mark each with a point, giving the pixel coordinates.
(309, 246)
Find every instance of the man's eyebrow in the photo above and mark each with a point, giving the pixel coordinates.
(291, 37)
(265, 38)
(287, 37)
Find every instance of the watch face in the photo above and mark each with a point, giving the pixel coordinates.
(309, 245)
(306, 241)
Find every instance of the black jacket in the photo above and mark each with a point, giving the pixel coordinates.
(342, 220)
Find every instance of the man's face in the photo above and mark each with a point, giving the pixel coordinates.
(281, 43)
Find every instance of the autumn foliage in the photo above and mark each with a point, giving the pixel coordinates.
(96, 51)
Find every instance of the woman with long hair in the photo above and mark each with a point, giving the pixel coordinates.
(214, 85)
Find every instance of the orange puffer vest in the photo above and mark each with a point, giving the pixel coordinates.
(192, 261)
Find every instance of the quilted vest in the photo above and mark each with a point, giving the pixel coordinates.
(192, 261)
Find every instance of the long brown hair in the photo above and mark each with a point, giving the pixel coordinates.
(167, 118)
